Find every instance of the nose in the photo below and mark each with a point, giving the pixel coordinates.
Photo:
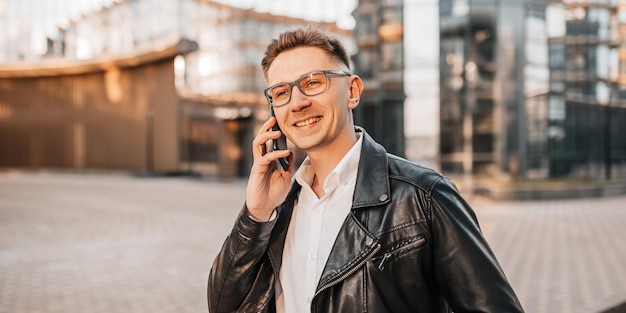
(299, 100)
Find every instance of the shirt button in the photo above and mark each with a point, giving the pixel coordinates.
(308, 300)
(312, 256)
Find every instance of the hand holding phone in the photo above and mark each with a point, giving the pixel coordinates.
(279, 144)
(267, 185)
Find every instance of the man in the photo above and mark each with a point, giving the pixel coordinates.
(357, 230)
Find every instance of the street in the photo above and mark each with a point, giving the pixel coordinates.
(113, 242)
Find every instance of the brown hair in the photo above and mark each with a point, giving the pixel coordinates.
(309, 37)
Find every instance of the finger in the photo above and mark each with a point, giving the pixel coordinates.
(260, 141)
(272, 157)
(268, 164)
(265, 133)
(267, 126)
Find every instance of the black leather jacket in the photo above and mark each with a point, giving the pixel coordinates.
(410, 244)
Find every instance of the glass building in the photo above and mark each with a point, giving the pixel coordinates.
(533, 89)
(231, 40)
(379, 34)
(421, 81)
(218, 101)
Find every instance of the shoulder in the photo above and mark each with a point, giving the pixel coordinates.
(403, 170)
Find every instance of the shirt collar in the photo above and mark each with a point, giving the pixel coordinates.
(345, 171)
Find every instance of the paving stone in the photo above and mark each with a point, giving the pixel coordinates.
(117, 243)
(560, 256)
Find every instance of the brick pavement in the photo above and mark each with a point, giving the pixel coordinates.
(115, 243)
(107, 243)
(560, 256)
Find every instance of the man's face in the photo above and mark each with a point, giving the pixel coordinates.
(315, 123)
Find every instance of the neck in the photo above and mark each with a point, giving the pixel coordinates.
(325, 160)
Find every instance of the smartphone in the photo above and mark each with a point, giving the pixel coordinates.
(279, 144)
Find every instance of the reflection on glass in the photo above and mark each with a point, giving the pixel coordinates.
(571, 71)
(555, 20)
(460, 7)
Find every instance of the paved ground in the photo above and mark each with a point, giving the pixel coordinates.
(116, 243)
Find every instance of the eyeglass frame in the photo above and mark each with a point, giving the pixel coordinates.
(297, 84)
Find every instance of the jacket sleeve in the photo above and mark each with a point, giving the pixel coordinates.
(465, 268)
(238, 265)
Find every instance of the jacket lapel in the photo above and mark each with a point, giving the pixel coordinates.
(354, 242)
(372, 180)
(277, 240)
(353, 245)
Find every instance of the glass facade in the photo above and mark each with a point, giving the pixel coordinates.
(586, 108)
(531, 89)
(379, 62)
(421, 81)
(231, 39)
(30, 29)
(526, 89)
(218, 97)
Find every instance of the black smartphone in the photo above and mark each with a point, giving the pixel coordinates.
(279, 144)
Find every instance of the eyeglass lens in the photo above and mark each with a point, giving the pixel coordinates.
(310, 85)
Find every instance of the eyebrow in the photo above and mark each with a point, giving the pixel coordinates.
(302, 75)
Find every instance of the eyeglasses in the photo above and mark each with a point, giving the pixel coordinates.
(310, 84)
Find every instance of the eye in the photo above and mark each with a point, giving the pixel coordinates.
(314, 82)
(279, 92)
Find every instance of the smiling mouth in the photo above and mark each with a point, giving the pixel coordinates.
(308, 121)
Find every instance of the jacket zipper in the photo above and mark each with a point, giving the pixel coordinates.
(386, 256)
(346, 274)
(382, 262)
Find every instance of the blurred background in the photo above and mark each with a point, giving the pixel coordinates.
(499, 95)
(125, 130)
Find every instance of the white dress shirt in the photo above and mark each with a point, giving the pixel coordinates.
(313, 228)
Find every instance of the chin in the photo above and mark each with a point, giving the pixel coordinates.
(308, 144)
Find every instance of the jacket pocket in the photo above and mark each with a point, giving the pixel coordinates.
(397, 251)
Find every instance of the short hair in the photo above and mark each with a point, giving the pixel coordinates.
(309, 37)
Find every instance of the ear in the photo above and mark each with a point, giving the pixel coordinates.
(356, 88)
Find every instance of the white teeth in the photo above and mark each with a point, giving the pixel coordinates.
(309, 121)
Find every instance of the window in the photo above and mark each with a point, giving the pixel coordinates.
(391, 58)
(557, 56)
(366, 63)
